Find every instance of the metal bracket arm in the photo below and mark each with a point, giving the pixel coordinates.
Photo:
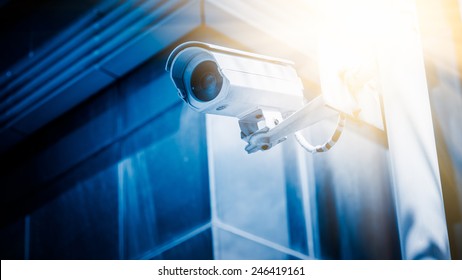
(313, 112)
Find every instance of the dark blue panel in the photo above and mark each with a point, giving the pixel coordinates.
(75, 137)
(145, 94)
(355, 207)
(9, 138)
(100, 161)
(198, 247)
(97, 127)
(162, 126)
(12, 241)
(77, 146)
(165, 185)
(329, 235)
(80, 224)
(295, 213)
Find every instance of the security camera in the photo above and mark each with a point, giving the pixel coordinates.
(223, 81)
(262, 92)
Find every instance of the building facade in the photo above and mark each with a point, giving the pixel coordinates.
(102, 160)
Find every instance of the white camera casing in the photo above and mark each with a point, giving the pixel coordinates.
(250, 81)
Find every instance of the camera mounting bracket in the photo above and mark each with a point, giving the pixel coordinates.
(262, 129)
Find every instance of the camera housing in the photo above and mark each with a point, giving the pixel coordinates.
(264, 93)
(223, 81)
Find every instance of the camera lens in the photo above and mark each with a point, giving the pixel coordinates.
(206, 81)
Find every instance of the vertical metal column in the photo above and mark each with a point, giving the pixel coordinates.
(413, 158)
(460, 8)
